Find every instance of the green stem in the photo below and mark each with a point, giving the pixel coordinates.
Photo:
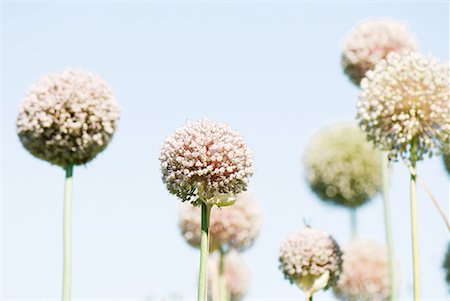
(223, 291)
(414, 228)
(204, 252)
(354, 223)
(309, 297)
(388, 225)
(67, 234)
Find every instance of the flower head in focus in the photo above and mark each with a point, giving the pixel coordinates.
(67, 117)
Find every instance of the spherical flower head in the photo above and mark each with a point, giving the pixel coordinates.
(404, 105)
(311, 259)
(446, 265)
(236, 273)
(365, 272)
(232, 227)
(371, 41)
(206, 161)
(67, 117)
(342, 167)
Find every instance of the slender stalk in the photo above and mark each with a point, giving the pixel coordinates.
(67, 234)
(414, 228)
(354, 223)
(388, 225)
(223, 291)
(204, 252)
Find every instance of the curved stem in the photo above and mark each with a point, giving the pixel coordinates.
(388, 225)
(354, 223)
(67, 234)
(414, 228)
(204, 252)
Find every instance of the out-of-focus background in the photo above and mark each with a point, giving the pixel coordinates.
(271, 70)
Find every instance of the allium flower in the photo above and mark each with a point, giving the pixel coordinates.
(232, 227)
(236, 273)
(342, 167)
(365, 272)
(206, 161)
(446, 265)
(371, 41)
(446, 159)
(67, 117)
(311, 259)
(404, 103)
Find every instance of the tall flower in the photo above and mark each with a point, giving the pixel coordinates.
(311, 259)
(67, 118)
(371, 41)
(365, 272)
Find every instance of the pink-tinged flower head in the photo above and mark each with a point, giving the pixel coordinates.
(67, 117)
(232, 227)
(370, 42)
(365, 272)
(206, 161)
(404, 105)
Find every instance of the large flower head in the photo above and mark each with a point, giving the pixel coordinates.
(206, 161)
(365, 272)
(236, 273)
(341, 166)
(311, 259)
(67, 117)
(371, 41)
(404, 105)
(233, 227)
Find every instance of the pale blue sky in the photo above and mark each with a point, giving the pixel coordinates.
(271, 70)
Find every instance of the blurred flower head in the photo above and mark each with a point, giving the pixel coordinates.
(233, 227)
(371, 41)
(67, 117)
(365, 272)
(404, 105)
(311, 259)
(206, 161)
(236, 273)
(341, 166)
(446, 265)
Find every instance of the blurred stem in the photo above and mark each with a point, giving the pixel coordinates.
(388, 224)
(309, 297)
(414, 228)
(354, 223)
(223, 291)
(67, 234)
(204, 252)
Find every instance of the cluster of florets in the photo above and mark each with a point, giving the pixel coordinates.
(67, 117)
(311, 259)
(365, 272)
(206, 161)
(232, 227)
(404, 105)
(371, 41)
(342, 167)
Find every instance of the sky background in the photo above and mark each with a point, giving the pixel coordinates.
(270, 70)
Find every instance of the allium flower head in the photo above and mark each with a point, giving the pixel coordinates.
(405, 102)
(233, 227)
(446, 265)
(371, 41)
(341, 166)
(206, 161)
(236, 273)
(67, 117)
(365, 272)
(311, 259)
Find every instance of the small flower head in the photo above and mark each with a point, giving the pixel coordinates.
(236, 273)
(371, 41)
(206, 161)
(342, 167)
(67, 117)
(232, 227)
(365, 272)
(446, 265)
(311, 259)
(404, 105)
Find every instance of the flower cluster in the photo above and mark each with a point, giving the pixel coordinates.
(371, 41)
(232, 227)
(342, 167)
(311, 259)
(205, 161)
(236, 273)
(67, 117)
(404, 105)
(365, 272)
